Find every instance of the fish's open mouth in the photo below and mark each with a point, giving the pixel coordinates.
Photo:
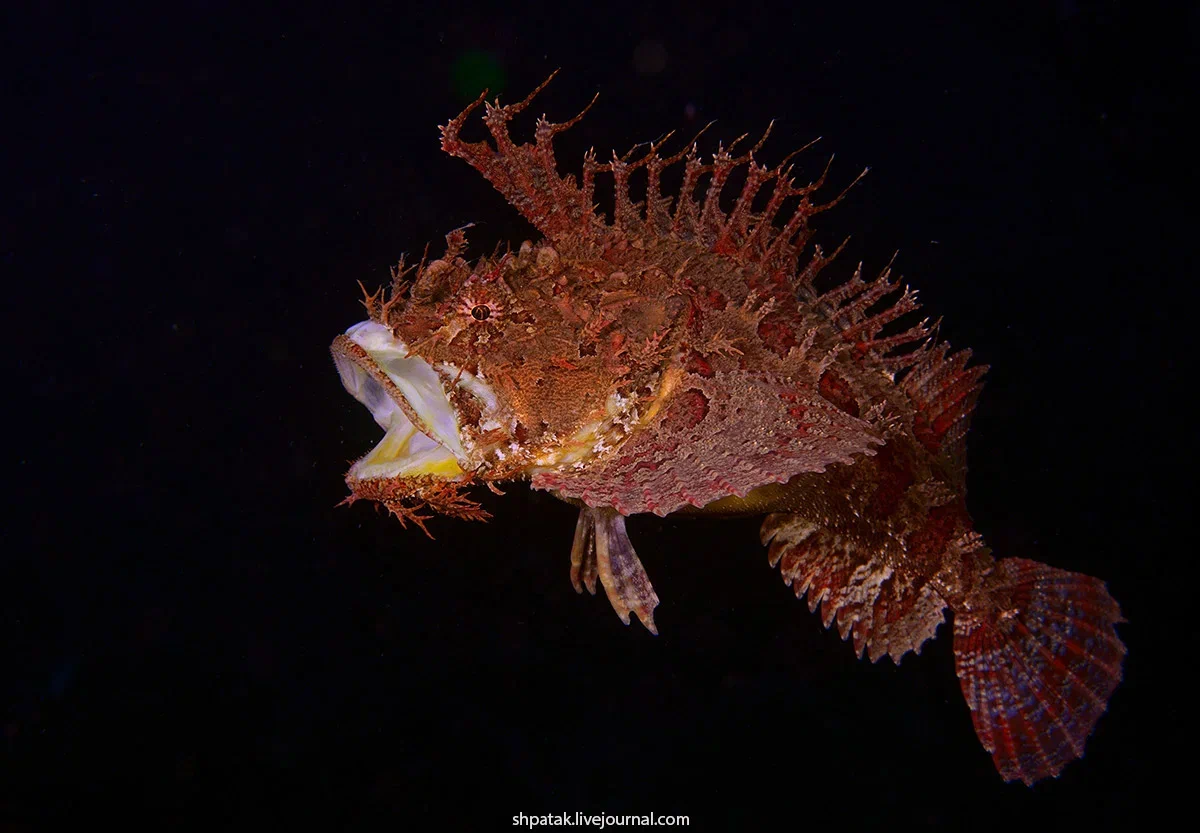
(406, 397)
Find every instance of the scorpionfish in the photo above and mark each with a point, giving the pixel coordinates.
(683, 357)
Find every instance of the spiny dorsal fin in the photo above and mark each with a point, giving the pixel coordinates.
(943, 391)
(942, 388)
(526, 174)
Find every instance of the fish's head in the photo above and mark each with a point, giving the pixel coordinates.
(492, 372)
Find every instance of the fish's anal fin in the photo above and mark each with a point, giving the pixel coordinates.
(602, 549)
(884, 607)
(1038, 657)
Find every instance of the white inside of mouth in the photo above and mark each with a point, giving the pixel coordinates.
(404, 450)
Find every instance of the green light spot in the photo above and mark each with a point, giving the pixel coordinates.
(474, 72)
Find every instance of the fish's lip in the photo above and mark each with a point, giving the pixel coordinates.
(404, 394)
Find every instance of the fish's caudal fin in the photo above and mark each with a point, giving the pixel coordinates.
(1037, 656)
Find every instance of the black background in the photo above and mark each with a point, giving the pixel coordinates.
(192, 632)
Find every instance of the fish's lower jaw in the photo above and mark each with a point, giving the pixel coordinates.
(406, 452)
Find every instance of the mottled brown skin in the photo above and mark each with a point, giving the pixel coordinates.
(561, 332)
(723, 381)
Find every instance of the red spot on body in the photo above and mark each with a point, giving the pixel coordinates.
(695, 363)
(688, 410)
(836, 390)
(796, 409)
(894, 477)
(940, 526)
(725, 246)
(925, 434)
(777, 334)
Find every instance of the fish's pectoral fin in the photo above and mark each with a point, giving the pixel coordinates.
(716, 437)
(602, 549)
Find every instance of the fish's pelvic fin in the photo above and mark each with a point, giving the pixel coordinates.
(602, 549)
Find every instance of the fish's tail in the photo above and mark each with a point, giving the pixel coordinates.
(1038, 657)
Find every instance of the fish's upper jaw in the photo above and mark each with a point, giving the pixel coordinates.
(425, 435)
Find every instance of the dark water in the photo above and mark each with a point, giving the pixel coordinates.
(193, 633)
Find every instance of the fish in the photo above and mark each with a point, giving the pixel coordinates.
(691, 355)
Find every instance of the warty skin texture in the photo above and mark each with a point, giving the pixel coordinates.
(685, 356)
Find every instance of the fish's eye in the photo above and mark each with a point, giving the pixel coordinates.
(481, 312)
